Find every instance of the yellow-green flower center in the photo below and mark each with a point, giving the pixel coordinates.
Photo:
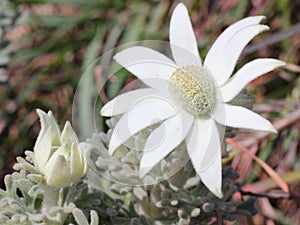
(193, 88)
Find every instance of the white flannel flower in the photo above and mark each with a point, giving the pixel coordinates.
(189, 98)
(59, 155)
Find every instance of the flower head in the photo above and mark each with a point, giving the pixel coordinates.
(59, 155)
(190, 98)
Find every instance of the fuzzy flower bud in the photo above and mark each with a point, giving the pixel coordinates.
(59, 155)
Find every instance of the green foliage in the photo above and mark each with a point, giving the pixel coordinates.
(22, 202)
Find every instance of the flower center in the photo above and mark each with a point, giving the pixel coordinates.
(193, 88)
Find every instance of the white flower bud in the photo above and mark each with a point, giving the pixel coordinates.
(59, 155)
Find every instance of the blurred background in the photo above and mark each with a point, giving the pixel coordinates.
(46, 46)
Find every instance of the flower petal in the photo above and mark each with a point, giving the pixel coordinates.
(204, 149)
(247, 73)
(224, 53)
(164, 139)
(197, 141)
(182, 38)
(124, 102)
(143, 114)
(68, 134)
(240, 117)
(47, 120)
(85, 150)
(42, 149)
(77, 163)
(59, 173)
(49, 136)
(147, 64)
(214, 53)
(211, 177)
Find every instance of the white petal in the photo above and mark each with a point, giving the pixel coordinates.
(223, 55)
(214, 53)
(197, 141)
(143, 114)
(68, 134)
(211, 177)
(47, 120)
(247, 73)
(85, 150)
(77, 164)
(59, 173)
(164, 139)
(240, 117)
(204, 149)
(182, 38)
(42, 149)
(124, 102)
(146, 64)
